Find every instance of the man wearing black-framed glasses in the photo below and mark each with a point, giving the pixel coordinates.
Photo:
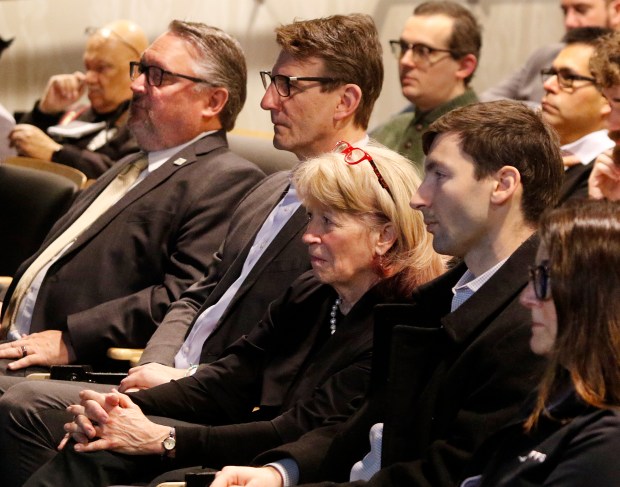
(102, 137)
(148, 228)
(524, 83)
(437, 55)
(576, 109)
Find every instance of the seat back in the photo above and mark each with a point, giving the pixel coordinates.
(71, 173)
(30, 202)
(258, 148)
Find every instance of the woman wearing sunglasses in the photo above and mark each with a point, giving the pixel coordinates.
(570, 435)
(308, 359)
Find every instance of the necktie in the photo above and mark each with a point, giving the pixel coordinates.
(110, 195)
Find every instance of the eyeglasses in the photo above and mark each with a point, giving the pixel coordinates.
(421, 52)
(540, 278)
(355, 155)
(105, 32)
(155, 75)
(566, 78)
(283, 83)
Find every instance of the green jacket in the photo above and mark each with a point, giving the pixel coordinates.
(403, 133)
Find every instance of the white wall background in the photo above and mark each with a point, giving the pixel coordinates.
(50, 38)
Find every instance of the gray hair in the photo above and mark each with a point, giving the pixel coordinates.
(221, 62)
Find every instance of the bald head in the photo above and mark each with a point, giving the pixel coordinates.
(127, 33)
(109, 50)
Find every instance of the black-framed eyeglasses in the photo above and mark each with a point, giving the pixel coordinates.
(155, 75)
(355, 155)
(421, 52)
(283, 83)
(540, 278)
(566, 78)
(105, 32)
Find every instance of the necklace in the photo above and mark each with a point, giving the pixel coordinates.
(332, 314)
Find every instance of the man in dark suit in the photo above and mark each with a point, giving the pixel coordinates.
(576, 109)
(263, 252)
(112, 282)
(458, 357)
(261, 257)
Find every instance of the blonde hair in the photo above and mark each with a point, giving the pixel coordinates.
(328, 181)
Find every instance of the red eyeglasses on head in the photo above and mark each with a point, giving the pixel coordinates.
(355, 155)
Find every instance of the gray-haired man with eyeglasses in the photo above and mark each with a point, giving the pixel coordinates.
(437, 55)
(88, 137)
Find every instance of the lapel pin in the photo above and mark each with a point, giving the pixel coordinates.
(180, 161)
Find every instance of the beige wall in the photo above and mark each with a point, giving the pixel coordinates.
(49, 37)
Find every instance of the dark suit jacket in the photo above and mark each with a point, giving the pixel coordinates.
(289, 365)
(282, 262)
(74, 152)
(575, 184)
(452, 380)
(578, 446)
(115, 283)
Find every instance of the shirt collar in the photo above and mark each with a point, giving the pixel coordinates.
(588, 147)
(474, 283)
(158, 157)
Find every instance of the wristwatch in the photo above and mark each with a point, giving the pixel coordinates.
(169, 443)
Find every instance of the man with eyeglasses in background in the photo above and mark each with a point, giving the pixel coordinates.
(437, 53)
(263, 252)
(148, 228)
(576, 109)
(98, 136)
(524, 84)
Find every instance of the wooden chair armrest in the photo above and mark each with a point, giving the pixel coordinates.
(38, 376)
(130, 354)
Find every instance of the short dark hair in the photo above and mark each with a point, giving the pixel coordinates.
(585, 35)
(220, 61)
(350, 49)
(507, 132)
(466, 37)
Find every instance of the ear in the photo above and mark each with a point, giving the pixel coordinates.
(350, 98)
(387, 238)
(467, 65)
(507, 181)
(605, 108)
(613, 11)
(215, 103)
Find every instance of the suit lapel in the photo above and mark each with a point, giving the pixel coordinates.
(503, 287)
(573, 178)
(292, 229)
(153, 180)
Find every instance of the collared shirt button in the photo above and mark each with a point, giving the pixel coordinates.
(408, 144)
(419, 127)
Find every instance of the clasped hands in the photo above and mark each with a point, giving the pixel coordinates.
(112, 422)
